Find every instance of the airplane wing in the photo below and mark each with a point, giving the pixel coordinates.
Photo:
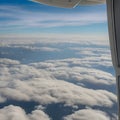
(92, 2)
(69, 3)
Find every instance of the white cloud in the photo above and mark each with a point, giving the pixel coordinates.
(88, 114)
(37, 115)
(30, 83)
(31, 48)
(89, 51)
(81, 74)
(84, 69)
(82, 39)
(16, 113)
(44, 49)
(28, 19)
(12, 113)
(50, 82)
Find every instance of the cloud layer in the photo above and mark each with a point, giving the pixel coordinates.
(23, 82)
(88, 114)
(81, 83)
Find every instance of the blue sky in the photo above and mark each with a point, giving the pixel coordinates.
(27, 17)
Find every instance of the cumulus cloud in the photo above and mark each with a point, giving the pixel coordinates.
(29, 83)
(17, 113)
(38, 114)
(89, 51)
(12, 113)
(82, 70)
(88, 114)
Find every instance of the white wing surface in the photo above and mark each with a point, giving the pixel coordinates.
(69, 3)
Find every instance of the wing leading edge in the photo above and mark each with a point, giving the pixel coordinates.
(69, 3)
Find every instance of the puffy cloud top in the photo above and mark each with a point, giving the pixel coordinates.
(88, 114)
(17, 113)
